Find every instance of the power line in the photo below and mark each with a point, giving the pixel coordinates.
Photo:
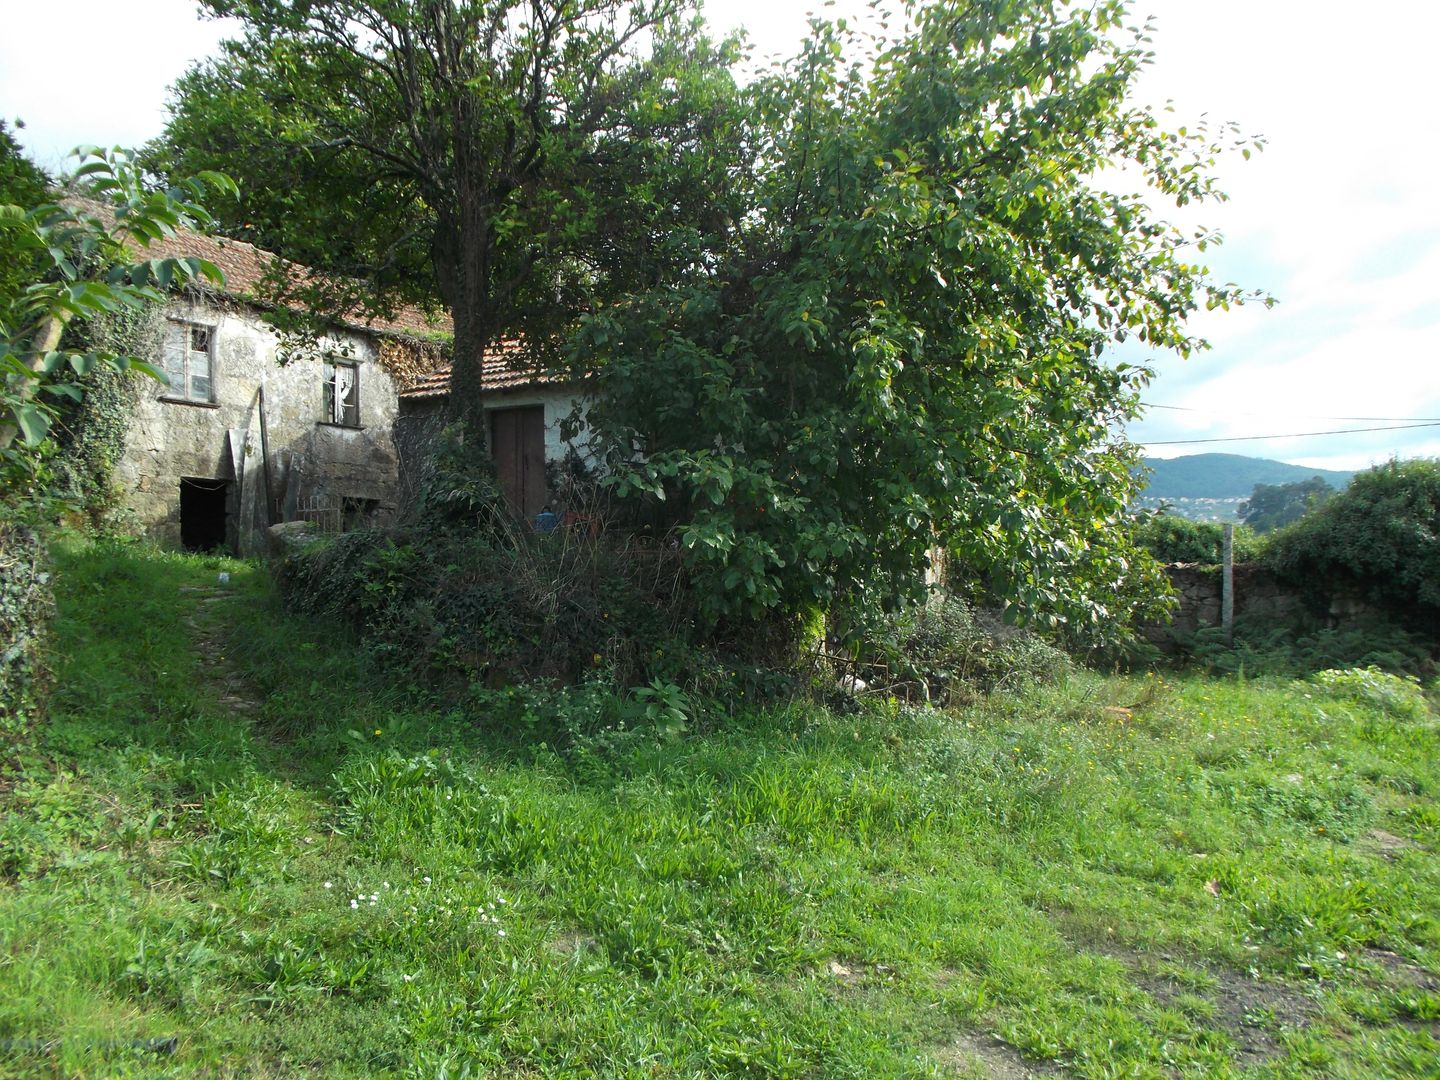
(1291, 435)
(1300, 416)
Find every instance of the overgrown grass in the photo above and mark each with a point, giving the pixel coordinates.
(234, 834)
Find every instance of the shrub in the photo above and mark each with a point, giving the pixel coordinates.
(503, 606)
(955, 652)
(1398, 695)
(1380, 537)
(1302, 645)
(1178, 540)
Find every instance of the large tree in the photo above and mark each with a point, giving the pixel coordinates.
(1272, 506)
(523, 159)
(855, 310)
(901, 342)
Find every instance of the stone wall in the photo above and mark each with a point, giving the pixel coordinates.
(1256, 593)
(312, 463)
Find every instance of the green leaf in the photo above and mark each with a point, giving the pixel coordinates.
(147, 368)
(34, 423)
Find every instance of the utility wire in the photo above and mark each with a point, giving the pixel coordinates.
(1291, 435)
(1300, 416)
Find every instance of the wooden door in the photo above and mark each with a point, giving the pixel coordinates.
(517, 442)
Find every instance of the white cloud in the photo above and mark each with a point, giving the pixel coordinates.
(104, 79)
(1337, 218)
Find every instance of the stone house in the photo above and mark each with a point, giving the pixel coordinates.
(252, 431)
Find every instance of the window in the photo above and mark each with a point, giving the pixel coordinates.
(342, 393)
(189, 361)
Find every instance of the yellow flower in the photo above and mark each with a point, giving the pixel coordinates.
(379, 732)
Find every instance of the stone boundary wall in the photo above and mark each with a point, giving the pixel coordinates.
(1197, 588)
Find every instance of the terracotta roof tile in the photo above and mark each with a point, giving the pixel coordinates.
(505, 367)
(245, 267)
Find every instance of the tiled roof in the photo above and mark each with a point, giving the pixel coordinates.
(245, 267)
(506, 367)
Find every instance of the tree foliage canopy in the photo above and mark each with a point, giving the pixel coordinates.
(1272, 506)
(519, 158)
(1380, 535)
(897, 341)
(22, 183)
(849, 312)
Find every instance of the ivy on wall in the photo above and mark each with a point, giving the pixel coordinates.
(76, 471)
(25, 607)
(407, 359)
(94, 432)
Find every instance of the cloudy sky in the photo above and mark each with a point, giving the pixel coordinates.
(1338, 219)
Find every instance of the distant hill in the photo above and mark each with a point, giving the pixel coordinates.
(1226, 476)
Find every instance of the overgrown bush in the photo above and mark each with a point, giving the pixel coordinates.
(1398, 695)
(467, 590)
(954, 652)
(1378, 539)
(465, 595)
(1174, 539)
(1304, 645)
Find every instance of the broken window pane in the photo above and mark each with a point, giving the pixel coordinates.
(188, 363)
(342, 393)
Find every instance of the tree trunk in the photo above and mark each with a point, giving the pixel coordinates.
(465, 241)
(467, 391)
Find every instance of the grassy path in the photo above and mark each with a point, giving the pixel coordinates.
(238, 850)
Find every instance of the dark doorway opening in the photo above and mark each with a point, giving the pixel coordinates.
(202, 513)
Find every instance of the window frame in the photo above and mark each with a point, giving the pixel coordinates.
(327, 392)
(182, 394)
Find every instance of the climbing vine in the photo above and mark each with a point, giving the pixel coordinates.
(406, 359)
(25, 608)
(93, 432)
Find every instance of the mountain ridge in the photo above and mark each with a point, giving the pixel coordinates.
(1226, 476)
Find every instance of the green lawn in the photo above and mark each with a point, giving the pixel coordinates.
(235, 835)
